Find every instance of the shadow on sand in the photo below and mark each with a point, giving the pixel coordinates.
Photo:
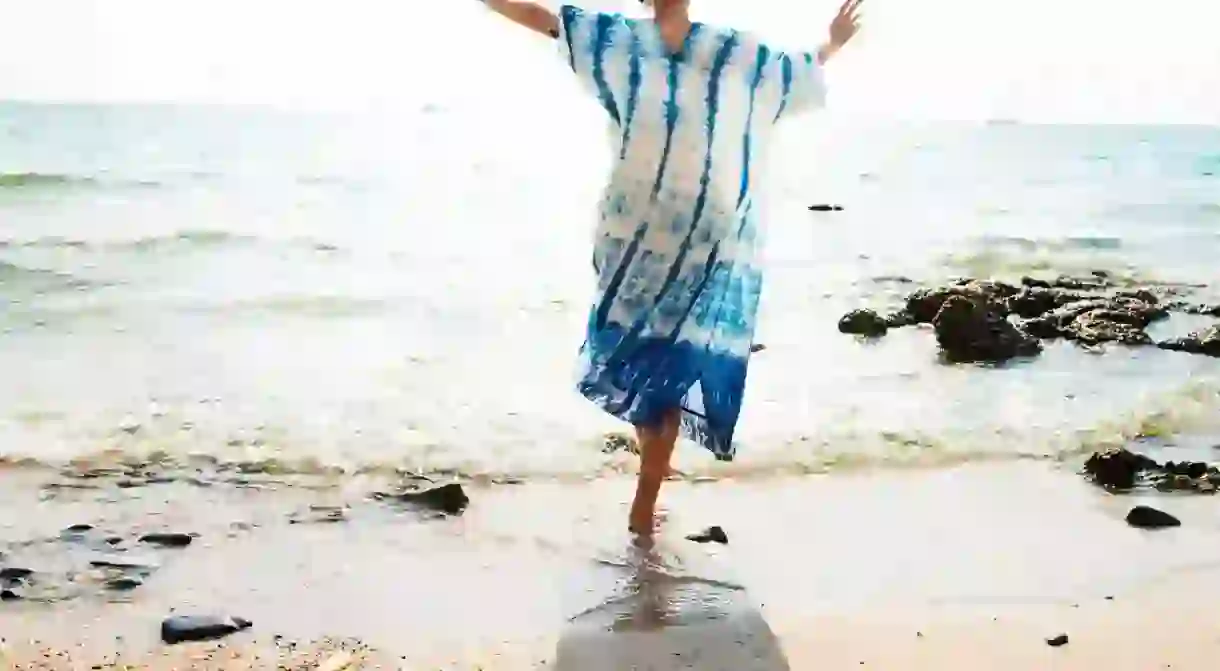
(669, 610)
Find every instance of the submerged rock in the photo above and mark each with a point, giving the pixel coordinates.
(1205, 342)
(970, 331)
(712, 534)
(1108, 325)
(14, 573)
(123, 584)
(123, 562)
(1122, 469)
(1118, 469)
(449, 498)
(182, 628)
(1146, 517)
(1089, 310)
(864, 322)
(168, 540)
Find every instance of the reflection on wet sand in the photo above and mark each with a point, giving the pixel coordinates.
(666, 614)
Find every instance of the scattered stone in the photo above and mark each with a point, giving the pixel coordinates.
(320, 515)
(14, 573)
(121, 562)
(182, 628)
(970, 331)
(1057, 641)
(821, 207)
(123, 584)
(863, 322)
(78, 529)
(712, 534)
(620, 442)
(1145, 517)
(168, 540)
(448, 498)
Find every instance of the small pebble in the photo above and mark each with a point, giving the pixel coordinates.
(1057, 641)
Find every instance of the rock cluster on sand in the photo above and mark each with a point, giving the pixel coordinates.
(1122, 470)
(991, 321)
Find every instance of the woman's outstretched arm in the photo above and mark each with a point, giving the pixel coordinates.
(526, 13)
(842, 28)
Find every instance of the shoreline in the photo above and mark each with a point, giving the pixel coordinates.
(840, 564)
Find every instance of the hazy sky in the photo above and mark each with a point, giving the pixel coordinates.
(1084, 60)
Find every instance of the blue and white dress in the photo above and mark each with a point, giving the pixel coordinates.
(675, 252)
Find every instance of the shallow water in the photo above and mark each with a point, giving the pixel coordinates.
(409, 289)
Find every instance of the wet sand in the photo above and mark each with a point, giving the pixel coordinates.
(985, 561)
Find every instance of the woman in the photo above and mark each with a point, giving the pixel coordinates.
(692, 106)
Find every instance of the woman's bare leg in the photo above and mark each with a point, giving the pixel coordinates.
(656, 448)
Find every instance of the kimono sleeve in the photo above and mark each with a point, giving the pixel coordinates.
(592, 45)
(800, 80)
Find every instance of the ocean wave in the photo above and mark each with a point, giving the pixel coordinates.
(39, 279)
(1192, 410)
(183, 240)
(44, 180)
(1071, 242)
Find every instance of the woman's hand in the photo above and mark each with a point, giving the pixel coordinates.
(843, 27)
(846, 23)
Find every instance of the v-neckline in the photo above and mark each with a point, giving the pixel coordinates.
(684, 49)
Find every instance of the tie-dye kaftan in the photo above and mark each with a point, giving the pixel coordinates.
(678, 284)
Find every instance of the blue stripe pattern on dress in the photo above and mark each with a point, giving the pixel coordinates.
(677, 276)
(601, 40)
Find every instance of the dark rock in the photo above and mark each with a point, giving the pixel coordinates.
(923, 304)
(1145, 517)
(1108, 325)
(1094, 283)
(863, 322)
(900, 319)
(1205, 342)
(825, 208)
(969, 331)
(1061, 322)
(10, 595)
(1033, 282)
(119, 561)
(1118, 469)
(1196, 309)
(168, 540)
(713, 534)
(181, 628)
(1057, 641)
(1191, 469)
(10, 573)
(449, 498)
(78, 529)
(1141, 295)
(123, 584)
(757, 347)
(1036, 301)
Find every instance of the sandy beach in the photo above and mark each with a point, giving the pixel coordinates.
(256, 319)
(900, 570)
